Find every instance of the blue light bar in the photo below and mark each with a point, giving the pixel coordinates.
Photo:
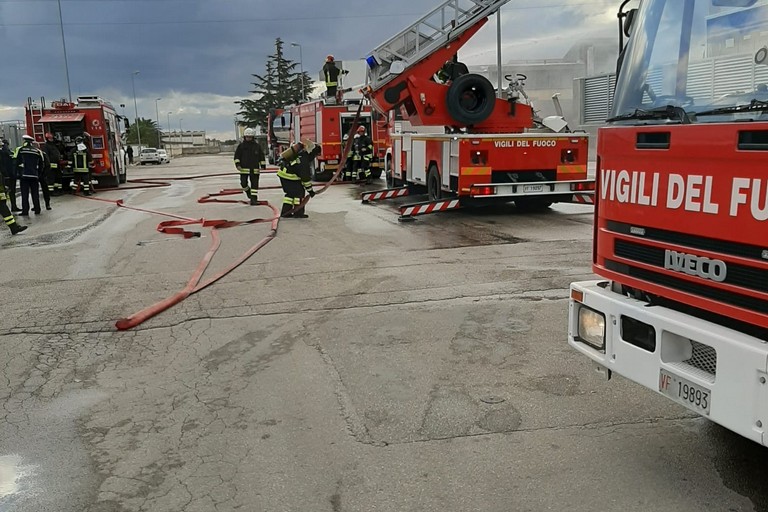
(372, 62)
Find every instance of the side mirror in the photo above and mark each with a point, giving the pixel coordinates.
(629, 20)
(282, 121)
(127, 123)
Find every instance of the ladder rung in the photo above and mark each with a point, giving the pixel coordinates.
(434, 30)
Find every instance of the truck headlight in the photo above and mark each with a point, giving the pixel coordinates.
(591, 327)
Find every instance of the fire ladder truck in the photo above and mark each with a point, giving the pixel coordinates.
(681, 215)
(457, 140)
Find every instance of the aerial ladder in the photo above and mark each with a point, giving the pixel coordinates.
(458, 163)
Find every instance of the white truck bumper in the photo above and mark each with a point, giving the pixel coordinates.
(717, 372)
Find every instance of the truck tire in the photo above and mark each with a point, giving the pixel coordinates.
(376, 173)
(434, 191)
(470, 99)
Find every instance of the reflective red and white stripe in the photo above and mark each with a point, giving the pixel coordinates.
(422, 209)
(584, 198)
(384, 194)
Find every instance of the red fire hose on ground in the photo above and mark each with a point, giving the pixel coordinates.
(178, 225)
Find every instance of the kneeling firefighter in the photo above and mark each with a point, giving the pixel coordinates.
(296, 176)
(250, 161)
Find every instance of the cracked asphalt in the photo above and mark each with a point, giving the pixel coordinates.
(353, 364)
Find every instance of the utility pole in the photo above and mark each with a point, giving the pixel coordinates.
(64, 45)
(159, 131)
(301, 67)
(136, 107)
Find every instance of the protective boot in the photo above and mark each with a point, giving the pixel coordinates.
(16, 228)
(300, 214)
(286, 208)
(247, 192)
(254, 200)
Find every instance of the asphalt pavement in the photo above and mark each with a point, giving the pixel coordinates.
(354, 363)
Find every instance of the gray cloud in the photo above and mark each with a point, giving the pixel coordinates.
(187, 50)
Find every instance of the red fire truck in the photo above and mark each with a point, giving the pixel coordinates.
(681, 217)
(459, 139)
(90, 117)
(326, 124)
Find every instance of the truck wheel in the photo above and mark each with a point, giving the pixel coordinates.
(470, 99)
(532, 204)
(434, 191)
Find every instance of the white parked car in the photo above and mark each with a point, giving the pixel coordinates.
(149, 156)
(164, 158)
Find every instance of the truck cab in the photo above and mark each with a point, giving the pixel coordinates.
(681, 217)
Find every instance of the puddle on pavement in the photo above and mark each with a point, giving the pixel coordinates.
(12, 475)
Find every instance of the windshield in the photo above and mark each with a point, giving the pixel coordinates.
(698, 56)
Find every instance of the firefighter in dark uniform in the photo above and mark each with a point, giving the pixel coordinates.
(8, 170)
(81, 162)
(363, 151)
(30, 165)
(8, 218)
(296, 177)
(250, 161)
(53, 176)
(349, 164)
(43, 179)
(331, 74)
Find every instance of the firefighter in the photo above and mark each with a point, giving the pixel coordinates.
(349, 164)
(8, 171)
(8, 218)
(295, 177)
(81, 162)
(30, 165)
(43, 179)
(250, 161)
(451, 70)
(53, 176)
(363, 151)
(331, 74)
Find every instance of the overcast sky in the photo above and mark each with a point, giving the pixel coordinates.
(198, 55)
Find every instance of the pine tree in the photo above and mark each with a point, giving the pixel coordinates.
(279, 86)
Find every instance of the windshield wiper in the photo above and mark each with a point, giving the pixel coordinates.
(752, 106)
(667, 112)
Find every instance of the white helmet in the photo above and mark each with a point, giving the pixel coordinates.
(27, 137)
(249, 132)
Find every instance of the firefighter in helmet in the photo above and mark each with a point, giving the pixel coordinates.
(250, 161)
(331, 74)
(53, 177)
(8, 218)
(363, 151)
(349, 163)
(8, 171)
(81, 162)
(296, 177)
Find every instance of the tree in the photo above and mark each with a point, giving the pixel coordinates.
(279, 86)
(150, 134)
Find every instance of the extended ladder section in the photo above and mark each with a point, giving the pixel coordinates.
(435, 30)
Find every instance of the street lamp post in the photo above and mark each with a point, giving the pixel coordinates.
(157, 116)
(136, 107)
(64, 45)
(301, 67)
(181, 140)
(169, 127)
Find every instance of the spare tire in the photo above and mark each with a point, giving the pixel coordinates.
(470, 99)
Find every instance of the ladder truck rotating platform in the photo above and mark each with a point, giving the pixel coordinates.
(458, 139)
(681, 213)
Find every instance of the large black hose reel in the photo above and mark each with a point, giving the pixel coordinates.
(471, 99)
